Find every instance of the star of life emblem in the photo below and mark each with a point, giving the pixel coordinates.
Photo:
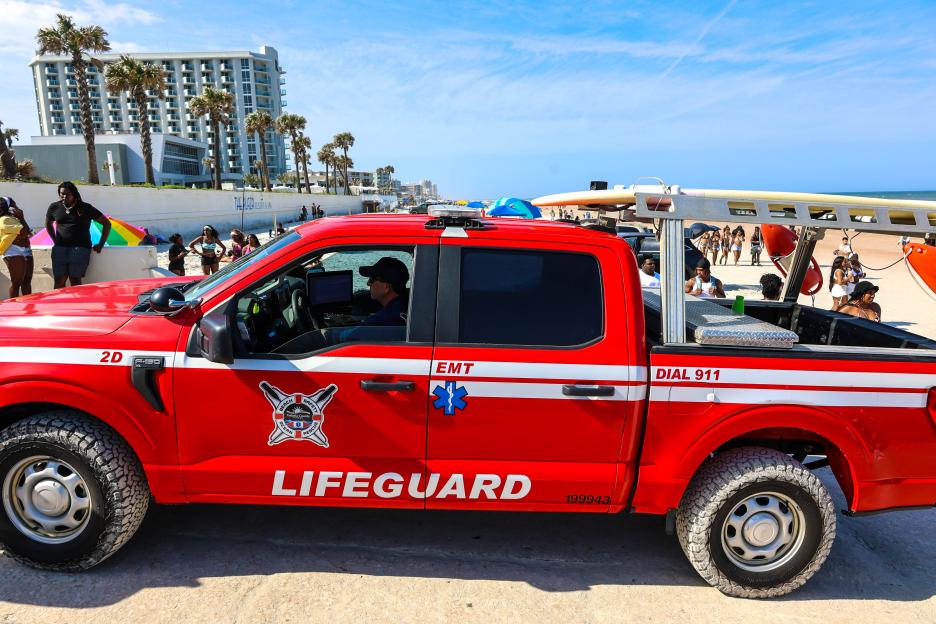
(298, 416)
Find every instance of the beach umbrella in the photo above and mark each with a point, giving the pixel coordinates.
(513, 207)
(475, 204)
(122, 234)
(461, 202)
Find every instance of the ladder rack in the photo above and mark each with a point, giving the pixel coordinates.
(810, 210)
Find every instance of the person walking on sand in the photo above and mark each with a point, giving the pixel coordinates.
(725, 245)
(756, 246)
(736, 242)
(715, 245)
(210, 246)
(68, 222)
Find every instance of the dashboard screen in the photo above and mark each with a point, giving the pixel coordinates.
(326, 287)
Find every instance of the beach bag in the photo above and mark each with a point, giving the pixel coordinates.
(9, 228)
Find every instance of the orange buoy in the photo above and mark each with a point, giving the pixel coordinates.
(780, 242)
(923, 260)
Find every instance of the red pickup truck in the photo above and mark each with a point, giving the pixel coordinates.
(519, 368)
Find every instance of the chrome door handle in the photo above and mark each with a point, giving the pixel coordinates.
(369, 385)
(582, 390)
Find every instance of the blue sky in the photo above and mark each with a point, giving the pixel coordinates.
(528, 98)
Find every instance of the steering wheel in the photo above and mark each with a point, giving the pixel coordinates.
(300, 311)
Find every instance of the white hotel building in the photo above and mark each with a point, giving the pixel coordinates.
(256, 80)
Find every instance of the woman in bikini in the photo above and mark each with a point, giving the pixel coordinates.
(715, 246)
(725, 245)
(210, 246)
(861, 303)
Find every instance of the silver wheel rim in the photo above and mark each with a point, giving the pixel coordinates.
(46, 499)
(763, 532)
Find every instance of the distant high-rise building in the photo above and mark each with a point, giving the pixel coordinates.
(256, 80)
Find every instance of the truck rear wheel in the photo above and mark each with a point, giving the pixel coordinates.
(755, 523)
(72, 491)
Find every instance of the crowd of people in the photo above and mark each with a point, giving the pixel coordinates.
(720, 243)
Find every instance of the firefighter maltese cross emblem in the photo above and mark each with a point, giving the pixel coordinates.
(298, 416)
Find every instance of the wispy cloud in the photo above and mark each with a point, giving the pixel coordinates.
(698, 39)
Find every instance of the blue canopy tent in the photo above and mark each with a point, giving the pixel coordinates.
(513, 207)
(475, 204)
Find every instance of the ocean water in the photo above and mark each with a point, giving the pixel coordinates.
(924, 195)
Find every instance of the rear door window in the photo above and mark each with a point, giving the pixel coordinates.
(529, 298)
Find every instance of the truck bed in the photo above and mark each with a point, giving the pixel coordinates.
(767, 324)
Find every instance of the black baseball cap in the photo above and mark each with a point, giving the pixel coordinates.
(389, 270)
(862, 288)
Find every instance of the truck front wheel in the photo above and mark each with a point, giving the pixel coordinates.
(72, 491)
(755, 523)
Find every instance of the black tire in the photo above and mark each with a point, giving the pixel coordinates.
(110, 482)
(752, 484)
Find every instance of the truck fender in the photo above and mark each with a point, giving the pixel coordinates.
(811, 419)
(97, 405)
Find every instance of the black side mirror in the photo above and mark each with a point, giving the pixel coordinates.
(215, 341)
(167, 300)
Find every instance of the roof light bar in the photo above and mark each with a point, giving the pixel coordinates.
(456, 212)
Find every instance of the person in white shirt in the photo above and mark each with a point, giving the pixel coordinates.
(704, 284)
(649, 278)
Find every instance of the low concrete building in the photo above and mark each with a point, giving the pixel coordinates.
(176, 160)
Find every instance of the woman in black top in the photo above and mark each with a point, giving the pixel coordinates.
(177, 255)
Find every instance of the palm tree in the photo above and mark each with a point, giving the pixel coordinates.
(326, 155)
(305, 145)
(292, 124)
(67, 39)
(344, 141)
(10, 135)
(259, 122)
(343, 163)
(136, 78)
(379, 171)
(389, 170)
(7, 160)
(217, 105)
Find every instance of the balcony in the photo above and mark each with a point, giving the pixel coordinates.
(115, 118)
(71, 82)
(207, 66)
(225, 78)
(56, 107)
(282, 80)
(263, 81)
(75, 106)
(52, 82)
(51, 70)
(133, 117)
(189, 92)
(207, 80)
(192, 128)
(57, 95)
(282, 92)
(188, 67)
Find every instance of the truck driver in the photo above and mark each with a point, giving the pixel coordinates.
(387, 280)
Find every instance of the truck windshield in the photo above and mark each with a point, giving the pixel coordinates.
(273, 246)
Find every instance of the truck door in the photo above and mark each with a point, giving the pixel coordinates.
(314, 411)
(531, 378)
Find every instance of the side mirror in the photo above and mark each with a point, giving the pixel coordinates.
(169, 300)
(214, 339)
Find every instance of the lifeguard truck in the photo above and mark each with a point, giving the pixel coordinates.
(530, 372)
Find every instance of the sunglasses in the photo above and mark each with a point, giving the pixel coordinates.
(371, 280)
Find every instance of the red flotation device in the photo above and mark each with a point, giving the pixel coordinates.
(922, 259)
(780, 242)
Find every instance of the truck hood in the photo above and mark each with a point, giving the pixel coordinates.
(89, 310)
